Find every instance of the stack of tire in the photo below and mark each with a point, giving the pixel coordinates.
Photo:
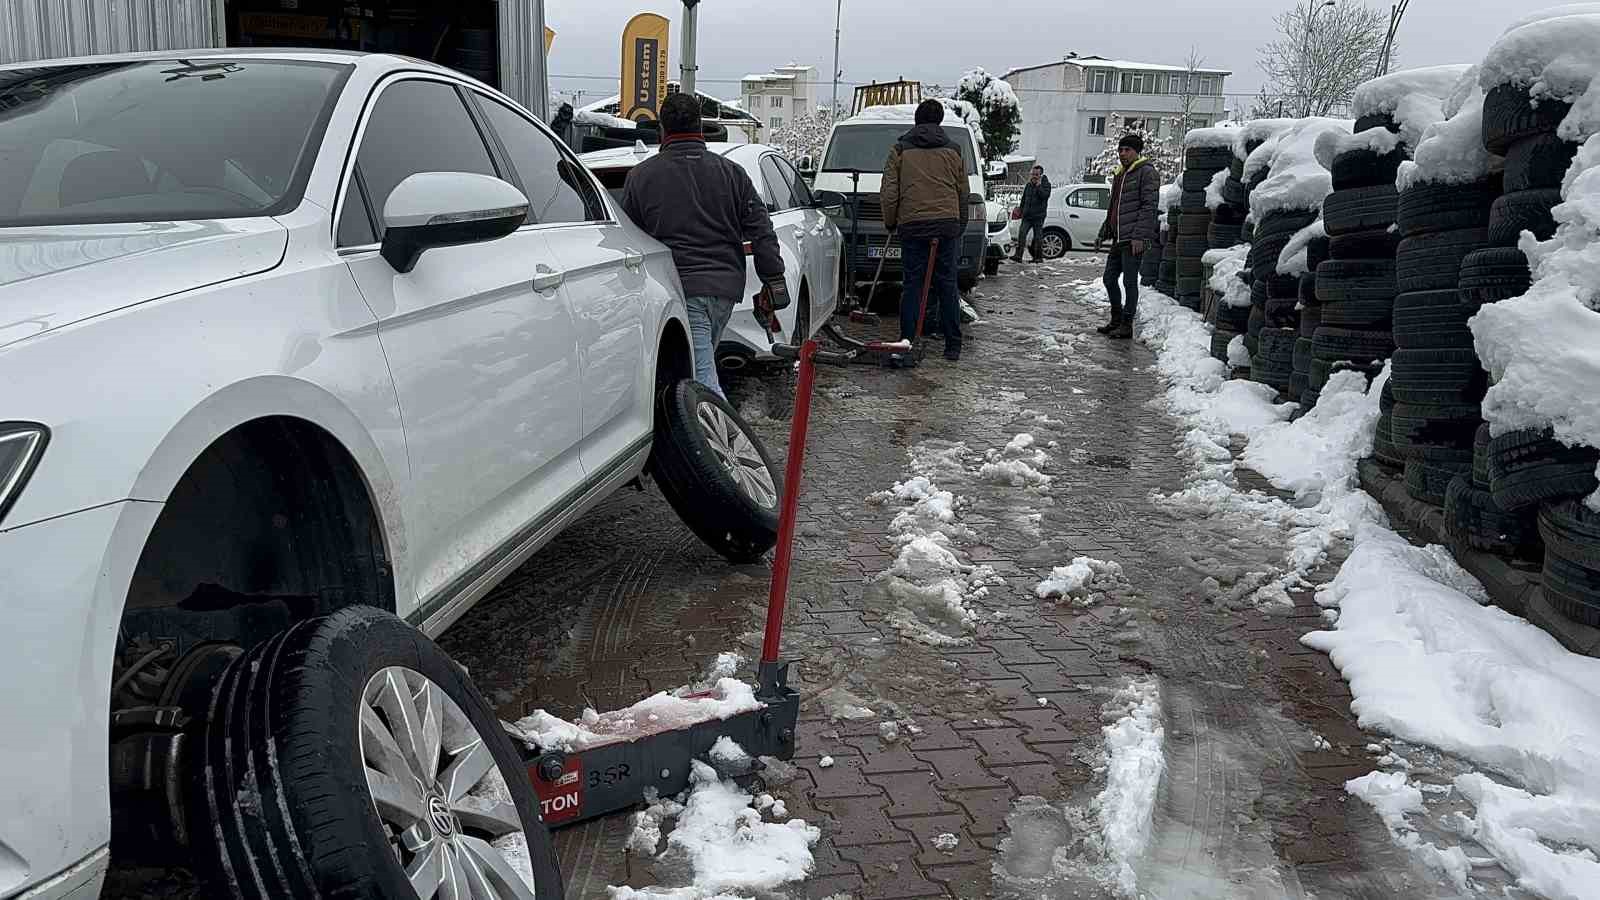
(1275, 297)
(1310, 317)
(1150, 264)
(1227, 220)
(1200, 165)
(1356, 285)
(1528, 486)
(1167, 276)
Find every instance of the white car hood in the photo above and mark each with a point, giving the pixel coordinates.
(51, 277)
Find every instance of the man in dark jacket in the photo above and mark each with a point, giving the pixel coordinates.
(1133, 224)
(704, 208)
(1035, 205)
(924, 196)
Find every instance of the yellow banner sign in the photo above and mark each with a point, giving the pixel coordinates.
(644, 67)
(549, 38)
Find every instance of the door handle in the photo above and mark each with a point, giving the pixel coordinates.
(1072, 215)
(547, 279)
(633, 259)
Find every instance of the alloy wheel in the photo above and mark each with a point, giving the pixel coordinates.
(738, 455)
(449, 813)
(1053, 246)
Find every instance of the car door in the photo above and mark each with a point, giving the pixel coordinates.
(601, 271)
(1086, 212)
(821, 253)
(789, 221)
(480, 343)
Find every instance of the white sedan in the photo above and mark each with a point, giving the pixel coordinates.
(1073, 220)
(302, 352)
(807, 239)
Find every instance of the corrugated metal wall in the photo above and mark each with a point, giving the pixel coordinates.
(522, 60)
(45, 29)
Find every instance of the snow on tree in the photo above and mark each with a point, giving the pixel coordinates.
(803, 136)
(1165, 154)
(1323, 51)
(999, 111)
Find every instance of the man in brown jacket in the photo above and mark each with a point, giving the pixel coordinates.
(1133, 224)
(924, 197)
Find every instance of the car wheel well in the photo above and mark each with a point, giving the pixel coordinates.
(674, 359)
(272, 524)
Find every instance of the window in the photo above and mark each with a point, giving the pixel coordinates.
(1127, 82)
(1208, 86)
(779, 186)
(865, 147)
(1097, 82)
(798, 187)
(557, 189)
(355, 225)
(777, 103)
(775, 122)
(1097, 125)
(1089, 198)
(394, 147)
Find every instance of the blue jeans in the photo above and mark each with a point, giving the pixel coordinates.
(944, 301)
(708, 317)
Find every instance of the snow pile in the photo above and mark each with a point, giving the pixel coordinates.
(1392, 796)
(1539, 348)
(1429, 663)
(1081, 579)
(1218, 136)
(1214, 189)
(1016, 465)
(1226, 267)
(1171, 195)
(1134, 763)
(1414, 99)
(1295, 257)
(1451, 151)
(907, 113)
(1379, 140)
(721, 836)
(666, 711)
(1297, 180)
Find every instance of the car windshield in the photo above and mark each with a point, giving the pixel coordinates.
(865, 147)
(164, 140)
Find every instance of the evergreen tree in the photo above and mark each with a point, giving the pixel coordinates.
(999, 111)
(1166, 154)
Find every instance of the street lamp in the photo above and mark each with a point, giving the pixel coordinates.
(838, 11)
(1305, 54)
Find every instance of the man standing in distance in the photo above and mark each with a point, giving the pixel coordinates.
(1132, 225)
(924, 196)
(704, 208)
(1035, 205)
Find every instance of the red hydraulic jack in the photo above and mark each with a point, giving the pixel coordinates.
(615, 775)
(897, 354)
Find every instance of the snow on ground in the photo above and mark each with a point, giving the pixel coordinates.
(665, 711)
(1428, 661)
(1082, 580)
(720, 837)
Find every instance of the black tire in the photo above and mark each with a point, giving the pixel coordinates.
(1258, 321)
(1283, 313)
(1363, 167)
(1194, 179)
(1309, 397)
(1284, 223)
(1429, 207)
(1189, 284)
(1195, 223)
(1228, 214)
(1480, 457)
(966, 281)
(1432, 262)
(1528, 467)
(1429, 480)
(1438, 377)
(1190, 267)
(1233, 318)
(1379, 244)
(1220, 339)
(1307, 290)
(1350, 345)
(1211, 159)
(1356, 293)
(1301, 359)
(1571, 535)
(1359, 209)
(1472, 520)
(1375, 120)
(1236, 169)
(1494, 274)
(1323, 369)
(1432, 320)
(1193, 199)
(1540, 161)
(1234, 193)
(1051, 249)
(282, 774)
(1223, 236)
(1318, 251)
(1512, 214)
(1298, 383)
(697, 483)
(1310, 321)
(1192, 246)
(1383, 448)
(1417, 428)
(1509, 116)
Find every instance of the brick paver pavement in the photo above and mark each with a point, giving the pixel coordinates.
(628, 602)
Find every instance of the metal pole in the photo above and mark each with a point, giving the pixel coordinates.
(838, 12)
(690, 26)
(789, 505)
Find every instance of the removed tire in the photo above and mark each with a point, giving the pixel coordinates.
(714, 472)
(350, 757)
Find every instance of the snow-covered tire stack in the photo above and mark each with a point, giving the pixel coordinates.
(1276, 296)
(1523, 130)
(1194, 222)
(1309, 314)
(1355, 286)
(1167, 276)
(1150, 264)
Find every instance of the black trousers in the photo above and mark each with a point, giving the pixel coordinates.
(1122, 265)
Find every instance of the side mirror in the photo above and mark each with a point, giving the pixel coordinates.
(830, 202)
(447, 209)
(807, 167)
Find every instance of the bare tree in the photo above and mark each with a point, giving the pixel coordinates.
(1324, 49)
(1189, 89)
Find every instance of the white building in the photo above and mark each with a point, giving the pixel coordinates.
(1066, 105)
(780, 96)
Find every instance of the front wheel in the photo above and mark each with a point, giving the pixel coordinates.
(1055, 243)
(350, 757)
(715, 473)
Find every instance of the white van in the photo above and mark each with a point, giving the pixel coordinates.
(852, 164)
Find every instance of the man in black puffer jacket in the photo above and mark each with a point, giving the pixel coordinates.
(1133, 225)
(1035, 206)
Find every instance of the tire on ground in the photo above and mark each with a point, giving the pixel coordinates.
(286, 791)
(1571, 533)
(737, 517)
(1473, 521)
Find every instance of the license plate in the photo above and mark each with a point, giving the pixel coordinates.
(875, 252)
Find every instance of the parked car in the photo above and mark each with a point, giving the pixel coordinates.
(852, 172)
(303, 351)
(807, 239)
(1074, 218)
(1001, 242)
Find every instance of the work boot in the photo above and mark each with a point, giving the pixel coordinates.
(1122, 332)
(1113, 325)
(952, 352)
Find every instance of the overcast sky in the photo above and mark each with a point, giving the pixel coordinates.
(936, 40)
